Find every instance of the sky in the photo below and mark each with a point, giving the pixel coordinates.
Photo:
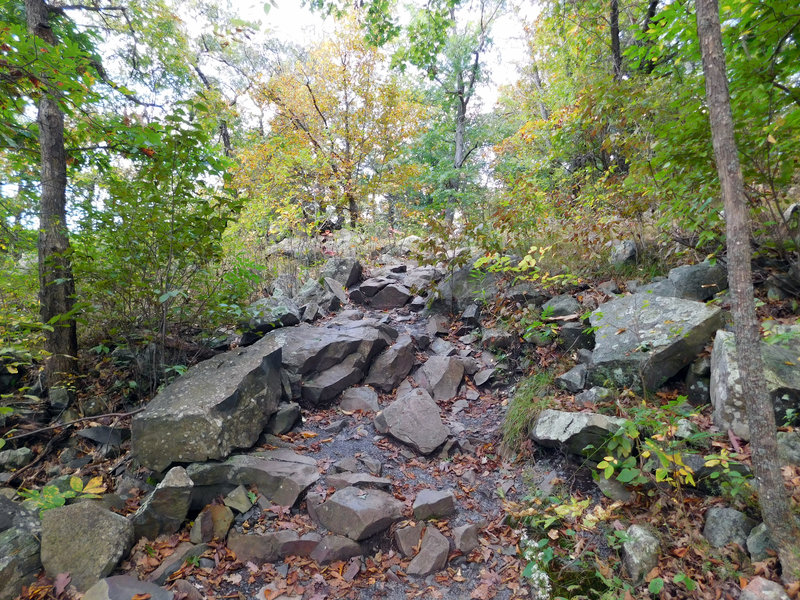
(289, 21)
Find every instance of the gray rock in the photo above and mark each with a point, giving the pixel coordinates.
(13, 459)
(85, 540)
(220, 404)
(780, 371)
(593, 395)
(391, 296)
(526, 292)
(442, 347)
(584, 356)
(352, 464)
(304, 546)
(613, 489)
(609, 288)
(640, 552)
(699, 282)
(573, 431)
(437, 325)
(432, 556)
(763, 589)
(359, 514)
(434, 503)
(374, 285)
(238, 499)
(165, 509)
(419, 279)
(125, 587)
(442, 376)
(573, 380)
(284, 419)
(333, 548)
(498, 338)
(104, 436)
(360, 398)
(573, 336)
(175, 561)
(392, 365)
(261, 548)
(271, 313)
(331, 382)
(465, 538)
(213, 522)
(471, 317)
(61, 398)
(483, 377)
(343, 480)
(466, 286)
(645, 340)
(336, 288)
(187, 589)
(414, 419)
(19, 561)
(280, 475)
(345, 270)
(727, 525)
(407, 538)
(20, 515)
(759, 543)
(562, 306)
(789, 447)
(623, 252)
(659, 287)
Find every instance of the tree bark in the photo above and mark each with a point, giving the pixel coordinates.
(56, 285)
(763, 439)
(616, 53)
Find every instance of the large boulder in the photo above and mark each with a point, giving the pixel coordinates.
(359, 514)
(347, 271)
(165, 509)
(780, 371)
(218, 405)
(700, 281)
(85, 540)
(19, 561)
(280, 475)
(573, 431)
(643, 339)
(441, 376)
(270, 313)
(466, 286)
(414, 419)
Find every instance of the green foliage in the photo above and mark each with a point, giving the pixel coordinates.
(50, 496)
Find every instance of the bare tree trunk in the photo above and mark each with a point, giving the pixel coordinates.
(616, 53)
(763, 439)
(537, 81)
(56, 285)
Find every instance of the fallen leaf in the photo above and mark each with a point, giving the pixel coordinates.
(141, 597)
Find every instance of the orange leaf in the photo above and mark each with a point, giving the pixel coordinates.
(308, 434)
(680, 552)
(742, 582)
(141, 597)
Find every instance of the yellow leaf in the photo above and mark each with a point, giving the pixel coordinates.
(308, 435)
(75, 483)
(771, 139)
(94, 486)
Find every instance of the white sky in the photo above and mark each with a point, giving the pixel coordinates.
(291, 22)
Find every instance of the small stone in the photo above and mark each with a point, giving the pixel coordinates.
(181, 586)
(763, 589)
(263, 548)
(358, 513)
(214, 521)
(284, 419)
(238, 499)
(303, 546)
(335, 427)
(726, 525)
(465, 538)
(407, 538)
(640, 552)
(573, 380)
(432, 556)
(483, 377)
(335, 547)
(434, 503)
(165, 509)
(11, 460)
(363, 398)
(759, 543)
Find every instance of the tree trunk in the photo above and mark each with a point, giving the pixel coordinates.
(763, 440)
(616, 54)
(56, 285)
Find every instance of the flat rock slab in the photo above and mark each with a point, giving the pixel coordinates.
(218, 405)
(442, 376)
(359, 514)
(781, 373)
(573, 431)
(85, 540)
(432, 556)
(281, 476)
(393, 295)
(643, 339)
(414, 419)
(263, 548)
(124, 587)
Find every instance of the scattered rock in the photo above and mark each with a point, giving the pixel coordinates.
(562, 306)
(391, 296)
(165, 509)
(499, 339)
(213, 522)
(699, 282)
(407, 538)
(271, 313)
(358, 513)
(780, 371)
(85, 540)
(347, 271)
(364, 399)
(759, 543)
(175, 561)
(434, 503)
(789, 447)
(726, 525)
(124, 587)
(303, 546)
(333, 381)
(263, 548)
(284, 419)
(609, 288)
(11, 460)
(442, 347)
(763, 589)
(432, 556)
(220, 404)
(483, 377)
(471, 317)
(640, 552)
(645, 340)
(593, 395)
(335, 547)
(280, 475)
(374, 285)
(466, 286)
(465, 538)
(238, 500)
(573, 431)
(613, 489)
(623, 252)
(573, 336)
(182, 586)
(19, 561)
(393, 365)
(573, 380)
(442, 376)
(336, 288)
(414, 419)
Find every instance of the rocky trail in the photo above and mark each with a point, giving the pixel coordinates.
(348, 445)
